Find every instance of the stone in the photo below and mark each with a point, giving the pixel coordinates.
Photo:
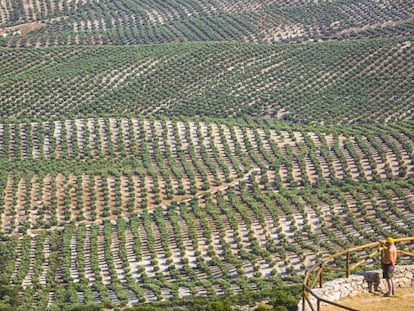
(361, 283)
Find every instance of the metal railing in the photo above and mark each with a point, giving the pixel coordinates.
(314, 275)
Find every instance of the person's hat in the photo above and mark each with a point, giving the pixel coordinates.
(389, 240)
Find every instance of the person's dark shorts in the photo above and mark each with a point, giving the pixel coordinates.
(387, 271)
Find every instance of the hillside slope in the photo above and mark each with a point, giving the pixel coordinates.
(34, 23)
(158, 150)
(121, 211)
(333, 82)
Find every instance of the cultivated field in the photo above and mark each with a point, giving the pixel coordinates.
(34, 23)
(348, 82)
(126, 210)
(158, 150)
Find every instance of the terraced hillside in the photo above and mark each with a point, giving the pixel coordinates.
(127, 210)
(337, 82)
(156, 150)
(28, 23)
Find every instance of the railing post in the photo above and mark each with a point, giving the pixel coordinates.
(321, 275)
(318, 302)
(347, 264)
(303, 297)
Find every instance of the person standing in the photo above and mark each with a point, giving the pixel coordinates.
(388, 261)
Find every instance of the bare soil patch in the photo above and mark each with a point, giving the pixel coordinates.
(23, 29)
(374, 26)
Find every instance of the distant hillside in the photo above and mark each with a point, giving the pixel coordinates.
(333, 82)
(120, 22)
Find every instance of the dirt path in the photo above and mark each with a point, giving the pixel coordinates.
(403, 301)
(373, 26)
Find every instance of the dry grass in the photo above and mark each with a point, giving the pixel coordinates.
(403, 301)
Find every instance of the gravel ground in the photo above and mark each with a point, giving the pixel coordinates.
(402, 301)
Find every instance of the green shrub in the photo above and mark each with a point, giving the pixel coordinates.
(219, 306)
(9, 296)
(284, 299)
(6, 307)
(144, 308)
(263, 307)
(90, 307)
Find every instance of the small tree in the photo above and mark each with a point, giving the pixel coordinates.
(284, 299)
(219, 306)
